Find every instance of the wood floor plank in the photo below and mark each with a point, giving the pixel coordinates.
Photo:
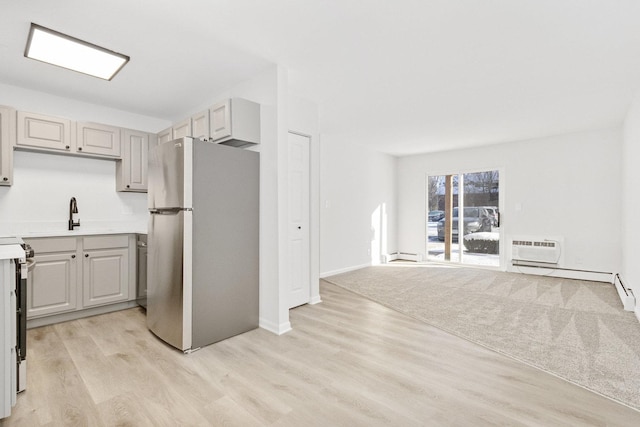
(347, 362)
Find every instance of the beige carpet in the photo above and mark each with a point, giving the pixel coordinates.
(574, 329)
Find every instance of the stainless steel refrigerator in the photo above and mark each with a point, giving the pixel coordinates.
(202, 253)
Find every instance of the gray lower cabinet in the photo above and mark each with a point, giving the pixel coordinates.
(53, 285)
(76, 273)
(105, 270)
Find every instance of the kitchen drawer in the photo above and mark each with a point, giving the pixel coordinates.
(52, 244)
(103, 242)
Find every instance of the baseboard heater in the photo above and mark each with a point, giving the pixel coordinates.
(626, 294)
(405, 256)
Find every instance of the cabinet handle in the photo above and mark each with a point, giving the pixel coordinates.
(66, 147)
(128, 186)
(86, 255)
(4, 178)
(73, 256)
(79, 148)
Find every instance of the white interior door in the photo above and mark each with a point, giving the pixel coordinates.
(299, 284)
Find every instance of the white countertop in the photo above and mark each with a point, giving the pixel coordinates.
(11, 252)
(59, 229)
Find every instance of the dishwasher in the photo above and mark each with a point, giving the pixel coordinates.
(141, 288)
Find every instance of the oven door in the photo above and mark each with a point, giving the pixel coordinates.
(22, 275)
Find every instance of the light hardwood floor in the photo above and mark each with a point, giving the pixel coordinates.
(347, 362)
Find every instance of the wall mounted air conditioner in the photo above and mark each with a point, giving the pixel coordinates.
(540, 250)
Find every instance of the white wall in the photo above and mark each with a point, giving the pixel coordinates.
(631, 201)
(44, 103)
(357, 205)
(567, 185)
(44, 183)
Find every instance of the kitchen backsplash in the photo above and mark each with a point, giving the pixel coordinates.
(44, 184)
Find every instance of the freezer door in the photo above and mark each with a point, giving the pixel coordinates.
(166, 287)
(170, 174)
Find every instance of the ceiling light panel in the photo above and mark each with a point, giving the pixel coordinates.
(68, 52)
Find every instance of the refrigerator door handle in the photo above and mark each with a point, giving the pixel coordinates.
(169, 211)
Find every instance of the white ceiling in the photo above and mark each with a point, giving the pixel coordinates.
(402, 76)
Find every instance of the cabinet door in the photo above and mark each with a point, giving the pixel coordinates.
(105, 276)
(182, 129)
(7, 134)
(165, 135)
(131, 172)
(200, 125)
(53, 285)
(44, 132)
(95, 138)
(220, 117)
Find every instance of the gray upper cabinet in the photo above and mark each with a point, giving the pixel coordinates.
(220, 116)
(131, 171)
(165, 135)
(7, 136)
(235, 122)
(47, 133)
(200, 125)
(182, 129)
(37, 131)
(98, 139)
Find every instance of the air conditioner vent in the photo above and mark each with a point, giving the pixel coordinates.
(538, 250)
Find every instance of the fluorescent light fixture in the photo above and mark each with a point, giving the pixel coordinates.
(74, 54)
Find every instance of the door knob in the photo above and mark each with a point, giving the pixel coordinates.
(299, 228)
(86, 255)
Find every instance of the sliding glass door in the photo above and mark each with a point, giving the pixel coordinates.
(463, 221)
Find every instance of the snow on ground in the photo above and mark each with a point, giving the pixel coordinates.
(435, 249)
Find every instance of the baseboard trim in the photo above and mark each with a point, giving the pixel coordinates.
(278, 329)
(405, 256)
(565, 273)
(625, 294)
(637, 312)
(343, 270)
(315, 300)
(73, 315)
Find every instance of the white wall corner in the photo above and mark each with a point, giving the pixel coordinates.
(282, 198)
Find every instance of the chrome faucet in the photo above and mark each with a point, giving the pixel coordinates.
(73, 208)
